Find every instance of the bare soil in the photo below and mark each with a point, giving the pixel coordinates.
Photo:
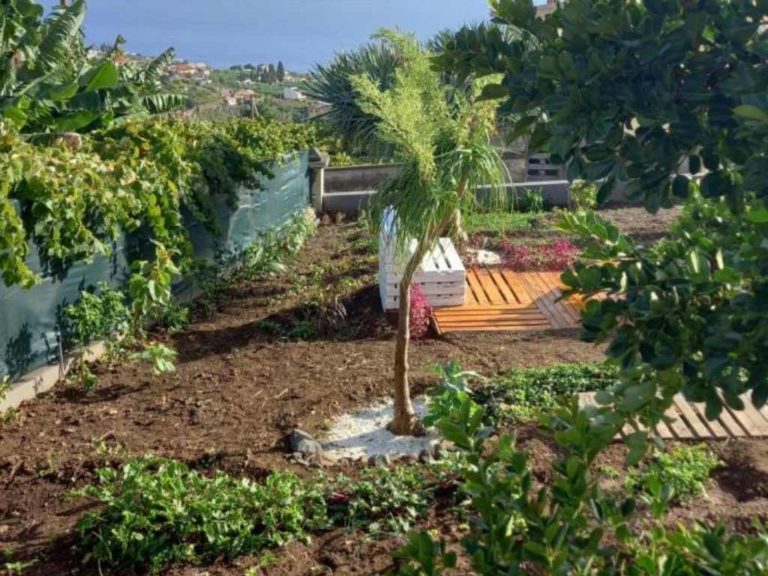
(239, 388)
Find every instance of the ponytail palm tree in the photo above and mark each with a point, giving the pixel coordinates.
(441, 136)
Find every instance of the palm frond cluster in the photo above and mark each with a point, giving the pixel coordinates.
(332, 85)
(441, 134)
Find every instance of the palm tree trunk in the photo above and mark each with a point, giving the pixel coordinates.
(405, 422)
(458, 228)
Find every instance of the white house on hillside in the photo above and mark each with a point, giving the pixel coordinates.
(292, 93)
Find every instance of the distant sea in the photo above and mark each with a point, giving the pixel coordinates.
(301, 33)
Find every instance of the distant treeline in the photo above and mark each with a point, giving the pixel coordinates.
(266, 73)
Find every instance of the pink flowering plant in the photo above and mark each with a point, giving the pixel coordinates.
(421, 313)
(557, 256)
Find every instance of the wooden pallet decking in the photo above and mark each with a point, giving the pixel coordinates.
(503, 300)
(688, 420)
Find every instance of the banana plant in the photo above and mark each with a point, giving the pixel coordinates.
(49, 84)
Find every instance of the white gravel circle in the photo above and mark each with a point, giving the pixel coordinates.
(486, 257)
(363, 433)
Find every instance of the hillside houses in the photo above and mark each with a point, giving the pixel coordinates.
(197, 71)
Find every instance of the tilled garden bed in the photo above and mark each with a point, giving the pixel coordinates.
(255, 368)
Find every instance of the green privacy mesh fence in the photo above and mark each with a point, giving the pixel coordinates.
(30, 319)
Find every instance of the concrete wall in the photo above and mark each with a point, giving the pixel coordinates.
(358, 178)
(555, 194)
(349, 189)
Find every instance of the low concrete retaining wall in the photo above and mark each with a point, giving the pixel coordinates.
(349, 189)
(555, 194)
(344, 179)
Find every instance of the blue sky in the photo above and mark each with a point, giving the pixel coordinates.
(299, 32)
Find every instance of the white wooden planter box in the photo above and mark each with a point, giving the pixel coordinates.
(441, 275)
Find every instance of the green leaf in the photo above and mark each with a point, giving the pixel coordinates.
(76, 121)
(63, 92)
(758, 215)
(15, 115)
(694, 164)
(604, 397)
(104, 77)
(760, 395)
(494, 92)
(681, 186)
(751, 113)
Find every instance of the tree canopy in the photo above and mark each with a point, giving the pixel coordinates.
(670, 99)
(441, 136)
(332, 85)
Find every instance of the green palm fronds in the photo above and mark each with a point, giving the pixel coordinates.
(440, 133)
(332, 85)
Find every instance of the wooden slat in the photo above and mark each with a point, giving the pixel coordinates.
(489, 286)
(543, 302)
(530, 308)
(693, 419)
(428, 264)
(688, 421)
(522, 301)
(477, 290)
(552, 279)
(730, 424)
(678, 425)
(552, 292)
(492, 314)
(664, 431)
(546, 297)
(718, 431)
(749, 418)
(492, 328)
(503, 287)
(492, 321)
(758, 417)
(517, 287)
(481, 313)
(451, 256)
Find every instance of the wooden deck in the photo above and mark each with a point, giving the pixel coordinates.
(507, 301)
(688, 421)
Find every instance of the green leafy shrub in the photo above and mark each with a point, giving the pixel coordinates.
(175, 318)
(9, 414)
(533, 200)
(157, 512)
(568, 525)
(149, 288)
(583, 195)
(96, 316)
(74, 201)
(159, 355)
(479, 224)
(381, 500)
(265, 257)
(424, 556)
(452, 393)
(522, 394)
(261, 259)
(684, 470)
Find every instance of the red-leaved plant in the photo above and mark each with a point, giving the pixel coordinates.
(557, 256)
(421, 313)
